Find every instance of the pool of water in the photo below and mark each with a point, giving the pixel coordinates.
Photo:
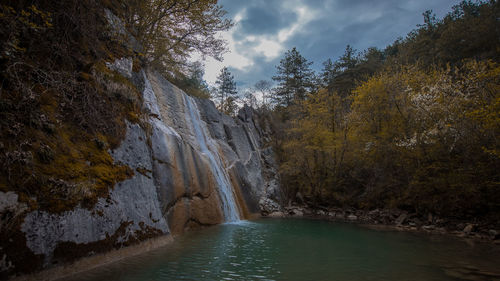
(294, 249)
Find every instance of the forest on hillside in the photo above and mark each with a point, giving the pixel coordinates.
(414, 126)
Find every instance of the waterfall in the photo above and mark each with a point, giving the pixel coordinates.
(208, 148)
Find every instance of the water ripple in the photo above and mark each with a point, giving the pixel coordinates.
(304, 250)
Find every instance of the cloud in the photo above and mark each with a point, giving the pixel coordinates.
(320, 29)
(266, 20)
(269, 48)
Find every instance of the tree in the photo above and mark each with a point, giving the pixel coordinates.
(249, 98)
(193, 83)
(264, 87)
(470, 30)
(414, 127)
(315, 147)
(226, 90)
(345, 74)
(294, 77)
(328, 75)
(170, 30)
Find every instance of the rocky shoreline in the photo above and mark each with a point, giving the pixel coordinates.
(393, 219)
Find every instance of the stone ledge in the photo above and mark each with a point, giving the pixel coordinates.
(84, 264)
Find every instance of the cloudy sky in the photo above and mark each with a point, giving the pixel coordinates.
(320, 29)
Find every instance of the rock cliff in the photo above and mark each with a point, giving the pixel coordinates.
(193, 166)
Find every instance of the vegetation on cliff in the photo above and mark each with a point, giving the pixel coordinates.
(62, 109)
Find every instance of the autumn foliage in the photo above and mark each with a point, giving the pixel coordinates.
(408, 127)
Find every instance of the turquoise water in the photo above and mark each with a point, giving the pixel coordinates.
(293, 249)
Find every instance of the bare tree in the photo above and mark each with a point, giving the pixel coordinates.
(264, 87)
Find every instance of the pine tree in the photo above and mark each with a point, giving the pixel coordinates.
(295, 79)
(226, 92)
(328, 74)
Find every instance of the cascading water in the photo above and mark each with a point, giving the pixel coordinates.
(209, 149)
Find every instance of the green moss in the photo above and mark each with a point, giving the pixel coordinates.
(81, 171)
(62, 144)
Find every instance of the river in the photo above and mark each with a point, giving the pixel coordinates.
(295, 249)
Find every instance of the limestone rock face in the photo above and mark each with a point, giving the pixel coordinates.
(249, 159)
(193, 166)
(131, 210)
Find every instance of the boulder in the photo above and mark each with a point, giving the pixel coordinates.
(297, 212)
(276, 215)
(469, 228)
(428, 227)
(352, 217)
(401, 219)
(269, 205)
(321, 213)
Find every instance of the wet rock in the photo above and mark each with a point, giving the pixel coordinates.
(206, 211)
(374, 213)
(428, 227)
(415, 221)
(277, 215)
(269, 206)
(401, 219)
(297, 212)
(440, 222)
(468, 229)
(352, 217)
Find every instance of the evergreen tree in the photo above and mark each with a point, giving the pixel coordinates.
(345, 72)
(226, 93)
(328, 74)
(295, 78)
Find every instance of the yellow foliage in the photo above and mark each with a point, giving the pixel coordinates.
(79, 161)
(404, 136)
